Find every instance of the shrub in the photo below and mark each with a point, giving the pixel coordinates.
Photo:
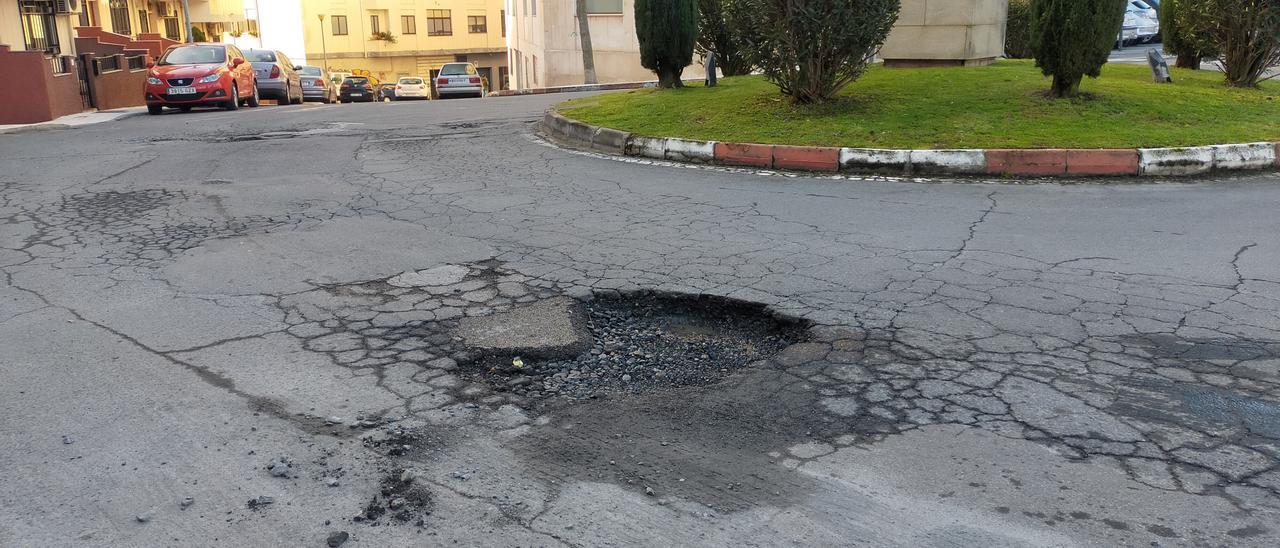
(1180, 38)
(667, 30)
(1017, 38)
(1072, 39)
(197, 35)
(721, 29)
(811, 49)
(1245, 33)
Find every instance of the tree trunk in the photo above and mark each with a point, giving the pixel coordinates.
(1064, 88)
(1188, 62)
(669, 77)
(588, 54)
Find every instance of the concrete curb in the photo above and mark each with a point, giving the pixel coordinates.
(1153, 162)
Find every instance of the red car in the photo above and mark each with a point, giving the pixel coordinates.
(201, 75)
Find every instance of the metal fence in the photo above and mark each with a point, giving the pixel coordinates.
(61, 64)
(138, 62)
(109, 63)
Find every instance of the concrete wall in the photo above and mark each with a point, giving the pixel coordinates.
(947, 32)
(552, 38)
(43, 95)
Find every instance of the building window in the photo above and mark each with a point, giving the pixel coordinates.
(89, 14)
(39, 30)
(533, 7)
(120, 17)
(535, 69)
(604, 7)
(144, 25)
(374, 25)
(172, 30)
(476, 24)
(408, 25)
(439, 23)
(339, 25)
(503, 15)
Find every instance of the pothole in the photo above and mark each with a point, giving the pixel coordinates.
(645, 342)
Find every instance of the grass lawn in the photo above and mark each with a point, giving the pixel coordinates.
(999, 106)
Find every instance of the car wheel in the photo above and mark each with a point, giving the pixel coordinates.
(234, 102)
(154, 109)
(254, 100)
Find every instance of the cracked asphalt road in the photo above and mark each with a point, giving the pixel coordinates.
(187, 297)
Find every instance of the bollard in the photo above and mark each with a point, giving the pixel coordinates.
(1159, 68)
(711, 69)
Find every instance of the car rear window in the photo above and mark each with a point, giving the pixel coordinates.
(194, 55)
(455, 69)
(260, 56)
(311, 71)
(411, 81)
(356, 80)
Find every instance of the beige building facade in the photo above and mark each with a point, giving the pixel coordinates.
(394, 38)
(545, 49)
(947, 33)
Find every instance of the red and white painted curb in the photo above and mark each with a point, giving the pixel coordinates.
(1155, 162)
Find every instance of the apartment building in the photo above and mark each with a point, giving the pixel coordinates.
(393, 38)
(546, 51)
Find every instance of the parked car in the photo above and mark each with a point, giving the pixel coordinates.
(200, 74)
(277, 76)
(1144, 20)
(412, 87)
(356, 88)
(386, 92)
(457, 79)
(316, 85)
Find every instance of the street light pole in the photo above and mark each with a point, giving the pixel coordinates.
(186, 16)
(324, 50)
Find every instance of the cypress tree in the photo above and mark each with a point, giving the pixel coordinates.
(667, 30)
(1072, 39)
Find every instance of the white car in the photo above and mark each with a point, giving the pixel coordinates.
(1141, 22)
(412, 87)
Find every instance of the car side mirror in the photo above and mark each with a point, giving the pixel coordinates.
(237, 62)
(297, 67)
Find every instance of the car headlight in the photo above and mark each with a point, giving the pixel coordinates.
(210, 78)
(154, 81)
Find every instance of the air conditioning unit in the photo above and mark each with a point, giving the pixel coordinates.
(66, 6)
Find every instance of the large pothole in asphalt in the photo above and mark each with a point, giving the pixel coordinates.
(635, 343)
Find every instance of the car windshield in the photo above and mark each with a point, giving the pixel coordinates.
(260, 56)
(412, 81)
(311, 71)
(453, 70)
(194, 55)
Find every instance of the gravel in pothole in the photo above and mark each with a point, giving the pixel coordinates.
(644, 343)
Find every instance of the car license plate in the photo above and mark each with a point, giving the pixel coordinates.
(182, 91)
(357, 95)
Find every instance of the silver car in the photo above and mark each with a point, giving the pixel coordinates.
(277, 76)
(316, 85)
(459, 79)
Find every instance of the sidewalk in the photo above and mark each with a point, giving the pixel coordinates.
(75, 120)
